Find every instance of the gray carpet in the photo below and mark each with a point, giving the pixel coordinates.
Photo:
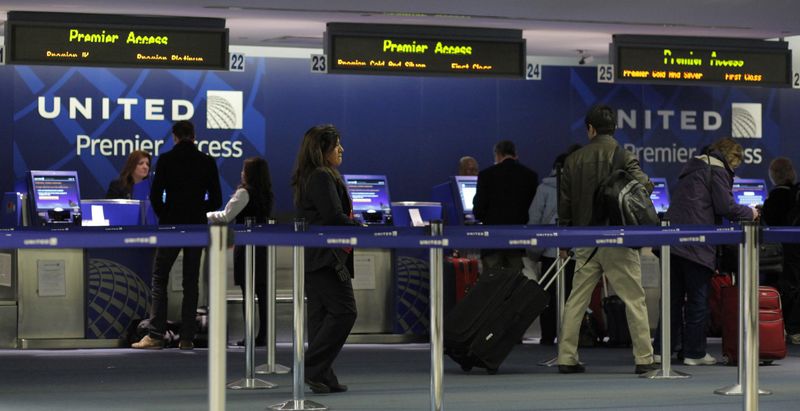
(381, 377)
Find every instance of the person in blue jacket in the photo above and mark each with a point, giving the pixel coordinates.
(703, 196)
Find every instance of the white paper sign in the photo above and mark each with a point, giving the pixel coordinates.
(364, 266)
(5, 270)
(416, 217)
(605, 73)
(533, 69)
(52, 278)
(319, 63)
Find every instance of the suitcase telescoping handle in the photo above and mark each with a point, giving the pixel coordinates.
(558, 272)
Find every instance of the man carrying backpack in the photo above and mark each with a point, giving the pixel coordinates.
(583, 172)
(782, 208)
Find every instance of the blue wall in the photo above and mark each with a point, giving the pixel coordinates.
(413, 129)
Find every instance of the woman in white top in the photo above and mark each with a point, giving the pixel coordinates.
(252, 199)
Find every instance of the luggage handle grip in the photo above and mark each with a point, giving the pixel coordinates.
(570, 254)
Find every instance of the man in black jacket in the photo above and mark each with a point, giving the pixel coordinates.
(503, 196)
(185, 187)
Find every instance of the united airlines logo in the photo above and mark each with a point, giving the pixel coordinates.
(746, 120)
(52, 241)
(224, 110)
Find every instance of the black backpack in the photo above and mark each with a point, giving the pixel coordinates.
(621, 199)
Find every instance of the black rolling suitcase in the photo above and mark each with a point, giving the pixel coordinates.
(483, 328)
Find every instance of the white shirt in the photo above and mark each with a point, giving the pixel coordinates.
(235, 205)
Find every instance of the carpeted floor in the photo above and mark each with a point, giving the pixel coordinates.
(381, 377)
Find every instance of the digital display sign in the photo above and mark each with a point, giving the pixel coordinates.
(116, 41)
(682, 60)
(424, 50)
(55, 190)
(749, 191)
(370, 196)
(660, 194)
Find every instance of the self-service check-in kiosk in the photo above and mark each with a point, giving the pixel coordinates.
(373, 281)
(456, 196)
(50, 293)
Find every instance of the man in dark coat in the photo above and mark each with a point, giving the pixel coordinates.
(504, 193)
(190, 181)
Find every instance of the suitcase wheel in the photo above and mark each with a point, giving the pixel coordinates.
(491, 371)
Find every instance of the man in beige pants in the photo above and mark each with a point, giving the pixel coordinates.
(582, 173)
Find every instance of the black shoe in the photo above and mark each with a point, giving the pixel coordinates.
(337, 387)
(645, 368)
(318, 387)
(260, 342)
(571, 369)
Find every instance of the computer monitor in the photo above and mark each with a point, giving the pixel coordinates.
(55, 196)
(749, 191)
(466, 186)
(370, 195)
(660, 194)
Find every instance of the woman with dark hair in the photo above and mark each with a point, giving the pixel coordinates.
(253, 199)
(321, 198)
(136, 169)
(703, 196)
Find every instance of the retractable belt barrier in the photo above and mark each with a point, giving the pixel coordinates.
(398, 237)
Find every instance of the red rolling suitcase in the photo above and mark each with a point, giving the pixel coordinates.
(465, 271)
(771, 338)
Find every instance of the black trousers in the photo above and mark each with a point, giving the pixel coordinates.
(164, 259)
(261, 308)
(789, 287)
(331, 315)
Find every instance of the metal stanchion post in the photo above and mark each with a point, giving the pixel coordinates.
(298, 402)
(271, 367)
(249, 382)
(561, 296)
(747, 376)
(217, 247)
(436, 302)
(666, 371)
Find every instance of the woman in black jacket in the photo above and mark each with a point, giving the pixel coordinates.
(777, 212)
(321, 198)
(253, 199)
(136, 169)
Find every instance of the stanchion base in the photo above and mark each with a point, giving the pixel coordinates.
(298, 405)
(250, 384)
(661, 375)
(736, 389)
(276, 369)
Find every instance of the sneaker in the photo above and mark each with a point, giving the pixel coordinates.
(707, 360)
(148, 343)
(794, 339)
(645, 368)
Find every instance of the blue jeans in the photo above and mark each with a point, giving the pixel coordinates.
(689, 283)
